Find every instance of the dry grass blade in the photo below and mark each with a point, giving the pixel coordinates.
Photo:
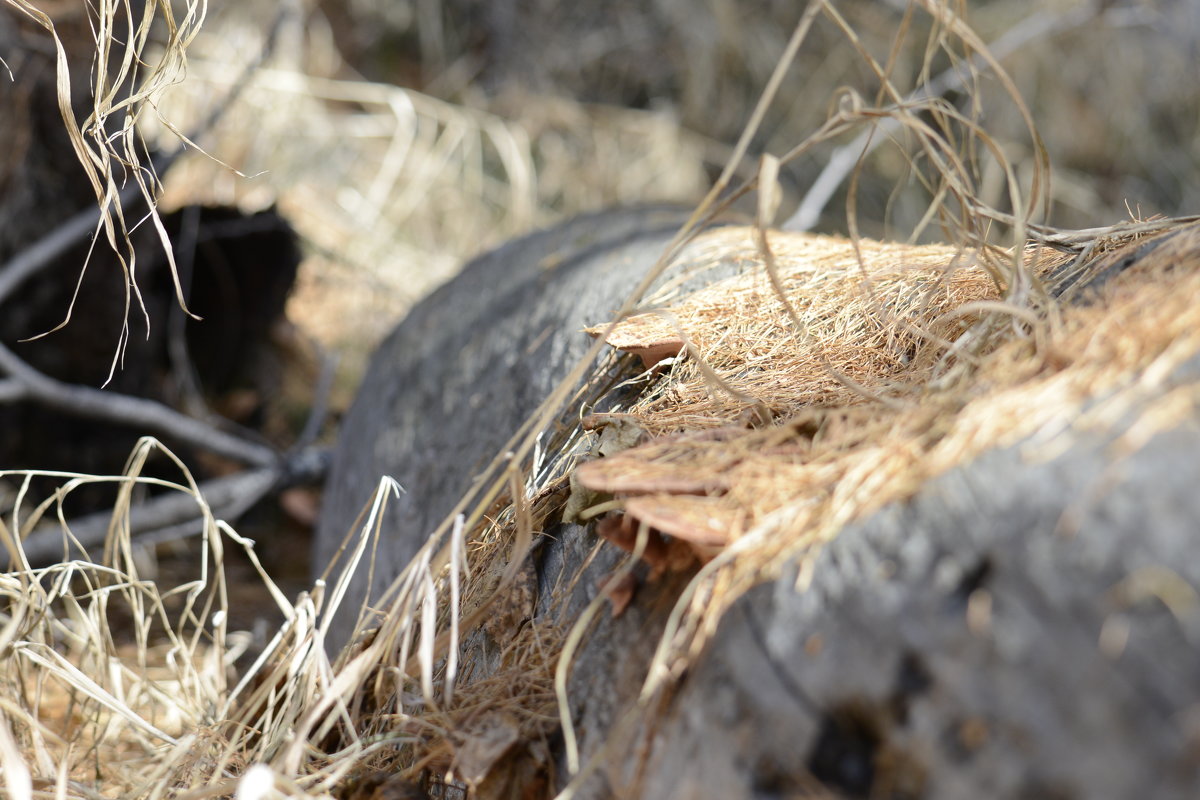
(125, 81)
(1044, 24)
(158, 701)
(16, 773)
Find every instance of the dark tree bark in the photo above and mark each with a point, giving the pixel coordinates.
(876, 680)
(452, 384)
(873, 682)
(41, 182)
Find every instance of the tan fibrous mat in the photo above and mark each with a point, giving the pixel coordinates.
(907, 361)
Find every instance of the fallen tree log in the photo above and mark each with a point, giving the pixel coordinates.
(937, 578)
(1014, 630)
(452, 384)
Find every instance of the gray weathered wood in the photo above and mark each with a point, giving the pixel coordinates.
(901, 698)
(453, 382)
(869, 682)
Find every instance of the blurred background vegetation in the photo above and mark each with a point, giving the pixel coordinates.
(403, 137)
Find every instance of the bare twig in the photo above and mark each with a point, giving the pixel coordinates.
(138, 412)
(228, 497)
(12, 390)
(320, 407)
(176, 515)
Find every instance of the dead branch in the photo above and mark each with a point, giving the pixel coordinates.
(227, 497)
(26, 383)
(176, 515)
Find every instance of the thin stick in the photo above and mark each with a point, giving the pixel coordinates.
(166, 512)
(146, 415)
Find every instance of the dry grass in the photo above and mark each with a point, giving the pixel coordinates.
(119, 686)
(780, 490)
(838, 326)
(837, 376)
(123, 687)
(128, 76)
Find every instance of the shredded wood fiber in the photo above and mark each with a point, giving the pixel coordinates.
(882, 389)
(908, 364)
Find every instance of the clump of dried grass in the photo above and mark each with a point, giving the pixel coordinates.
(883, 367)
(779, 491)
(114, 683)
(118, 685)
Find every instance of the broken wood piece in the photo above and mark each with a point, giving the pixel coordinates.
(700, 521)
(622, 474)
(649, 336)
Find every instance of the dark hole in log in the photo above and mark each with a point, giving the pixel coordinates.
(844, 755)
(973, 580)
(912, 680)
(236, 270)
